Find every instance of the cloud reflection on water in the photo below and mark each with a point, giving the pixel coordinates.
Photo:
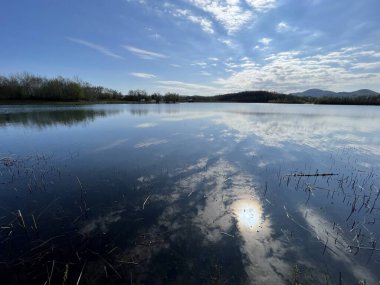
(150, 142)
(230, 199)
(336, 241)
(111, 145)
(325, 128)
(325, 133)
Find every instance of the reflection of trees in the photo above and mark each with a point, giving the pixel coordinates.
(139, 111)
(143, 110)
(44, 118)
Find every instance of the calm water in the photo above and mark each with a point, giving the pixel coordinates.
(189, 194)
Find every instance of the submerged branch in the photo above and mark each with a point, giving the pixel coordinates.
(312, 175)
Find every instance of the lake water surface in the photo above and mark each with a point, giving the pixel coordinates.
(189, 194)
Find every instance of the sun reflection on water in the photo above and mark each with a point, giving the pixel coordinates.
(248, 213)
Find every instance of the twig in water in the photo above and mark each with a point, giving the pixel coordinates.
(313, 175)
(129, 262)
(227, 234)
(107, 263)
(19, 215)
(35, 224)
(324, 250)
(80, 184)
(51, 272)
(66, 274)
(266, 188)
(81, 273)
(353, 209)
(45, 242)
(146, 200)
(105, 270)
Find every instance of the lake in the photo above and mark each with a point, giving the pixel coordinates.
(189, 194)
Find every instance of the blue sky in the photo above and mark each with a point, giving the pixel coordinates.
(196, 46)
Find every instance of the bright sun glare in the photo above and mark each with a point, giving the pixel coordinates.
(248, 214)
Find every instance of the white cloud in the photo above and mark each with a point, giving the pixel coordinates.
(293, 71)
(143, 75)
(228, 13)
(265, 41)
(96, 47)
(262, 5)
(137, 1)
(366, 65)
(229, 43)
(144, 54)
(213, 58)
(205, 24)
(200, 64)
(185, 88)
(284, 27)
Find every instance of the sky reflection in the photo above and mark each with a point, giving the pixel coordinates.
(184, 188)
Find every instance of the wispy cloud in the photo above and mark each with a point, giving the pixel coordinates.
(188, 88)
(265, 41)
(366, 65)
(96, 47)
(144, 54)
(205, 24)
(201, 64)
(262, 5)
(228, 42)
(284, 27)
(143, 75)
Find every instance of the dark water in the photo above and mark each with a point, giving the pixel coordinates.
(189, 194)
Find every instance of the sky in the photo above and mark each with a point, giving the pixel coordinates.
(196, 47)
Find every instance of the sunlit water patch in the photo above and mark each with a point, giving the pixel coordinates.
(249, 214)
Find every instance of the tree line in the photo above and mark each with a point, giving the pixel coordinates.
(26, 87)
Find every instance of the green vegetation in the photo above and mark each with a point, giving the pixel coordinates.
(359, 100)
(30, 87)
(27, 87)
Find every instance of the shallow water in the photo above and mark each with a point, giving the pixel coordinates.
(189, 194)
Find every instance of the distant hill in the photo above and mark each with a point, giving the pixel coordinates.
(257, 97)
(312, 96)
(318, 93)
(361, 92)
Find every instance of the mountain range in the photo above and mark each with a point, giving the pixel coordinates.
(318, 93)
